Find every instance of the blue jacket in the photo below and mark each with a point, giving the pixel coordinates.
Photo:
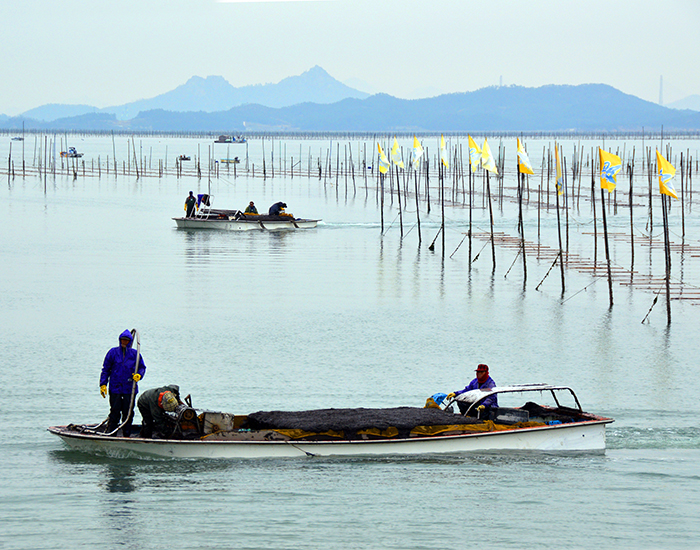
(491, 401)
(119, 365)
(276, 208)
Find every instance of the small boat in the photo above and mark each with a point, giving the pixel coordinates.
(207, 217)
(362, 432)
(230, 139)
(72, 153)
(18, 138)
(183, 157)
(231, 161)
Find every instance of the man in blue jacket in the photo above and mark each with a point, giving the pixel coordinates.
(277, 209)
(119, 369)
(482, 381)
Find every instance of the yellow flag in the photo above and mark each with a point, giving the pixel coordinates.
(474, 154)
(383, 161)
(610, 165)
(417, 152)
(560, 176)
(524, 166)
(666, 173)
(487, 160)
(396, 154)
(443, 151)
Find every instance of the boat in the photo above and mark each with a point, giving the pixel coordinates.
(72, 153)
(183, 157)
(207, 217)
(18, 138)
(363, 432)
(230, 139)
(235, 160)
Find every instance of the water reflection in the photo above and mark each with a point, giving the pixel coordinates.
(119, 478)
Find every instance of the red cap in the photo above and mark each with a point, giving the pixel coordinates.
(482, 367)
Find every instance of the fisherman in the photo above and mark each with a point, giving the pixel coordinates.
(277, 209)
(119, 369)
(482, 381)
(190, 204)
(153, 404)
(250, 209)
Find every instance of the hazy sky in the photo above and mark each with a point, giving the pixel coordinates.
(105, 53)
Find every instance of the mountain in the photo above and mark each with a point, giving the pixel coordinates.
(584, 108)
(54, 111)
(691, 102)
(215, 93)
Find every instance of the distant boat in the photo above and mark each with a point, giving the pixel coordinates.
(231, 161)
(18, 138)
(71, 153)
(230, 139)
(183, 157)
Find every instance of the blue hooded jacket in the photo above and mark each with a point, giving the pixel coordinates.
(119, 365)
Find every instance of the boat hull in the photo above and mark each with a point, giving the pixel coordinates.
(244, 225)
(579, 436)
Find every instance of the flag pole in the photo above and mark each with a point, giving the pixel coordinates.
(442, 206)
(561, 255)
(520, 222)
(607, 249)
(398, 192)
(488, 198)
(667, 255)
(595, 220)
(427, 179)
(415, 176)
(471, 201)
(561, 259)
(631, 172)
(381, 207)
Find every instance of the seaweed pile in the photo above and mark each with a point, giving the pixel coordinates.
(352, 421)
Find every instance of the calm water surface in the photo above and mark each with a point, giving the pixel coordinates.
(336, 316)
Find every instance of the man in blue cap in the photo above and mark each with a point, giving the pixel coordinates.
(482, 382)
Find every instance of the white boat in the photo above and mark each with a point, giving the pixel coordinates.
(207, 217)
(230, 139)
(363, 432)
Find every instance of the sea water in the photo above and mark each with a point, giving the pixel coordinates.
(338, 316)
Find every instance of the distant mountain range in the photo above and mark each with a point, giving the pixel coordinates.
(316, 102)
(214, 93)
(690, 102)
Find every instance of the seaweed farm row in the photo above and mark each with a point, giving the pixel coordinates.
(434, 187)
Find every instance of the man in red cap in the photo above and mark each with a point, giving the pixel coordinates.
(482, 381)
